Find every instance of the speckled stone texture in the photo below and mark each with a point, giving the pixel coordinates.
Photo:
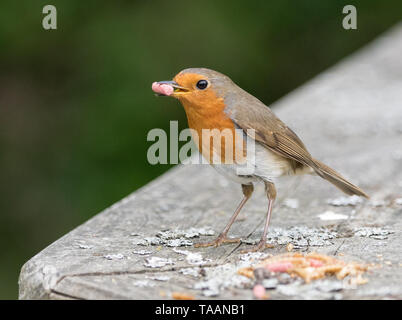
(350, 117)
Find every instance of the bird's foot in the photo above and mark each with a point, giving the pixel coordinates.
(262, 245)
(217, 242)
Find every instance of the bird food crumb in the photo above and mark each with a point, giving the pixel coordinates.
(182, 296)
(156, 262)
(192, 258)
(260, 292)
(309, 267)
(117, 256)
(345, 201)
(330, 215)
(142, 252)
(175, 238)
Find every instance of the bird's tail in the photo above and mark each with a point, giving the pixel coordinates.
(336, 179)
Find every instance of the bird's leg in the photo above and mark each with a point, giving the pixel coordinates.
(271, 194)
(222, 238)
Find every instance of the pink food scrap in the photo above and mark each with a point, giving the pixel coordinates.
(316, 263)
(163, 89)
(259, 291)
(279, 266)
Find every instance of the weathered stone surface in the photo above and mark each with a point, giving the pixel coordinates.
(350, 117)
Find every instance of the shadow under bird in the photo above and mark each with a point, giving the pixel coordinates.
(212, 100)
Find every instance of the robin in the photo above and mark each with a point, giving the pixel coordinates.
(212, 100)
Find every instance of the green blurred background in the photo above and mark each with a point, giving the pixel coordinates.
(76, 103)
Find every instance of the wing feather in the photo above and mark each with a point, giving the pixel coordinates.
(271, 132)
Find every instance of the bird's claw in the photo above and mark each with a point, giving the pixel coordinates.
(262, 245)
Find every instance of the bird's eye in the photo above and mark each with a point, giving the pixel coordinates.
(202, 84)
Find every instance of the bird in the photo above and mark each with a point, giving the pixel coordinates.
(212, 101)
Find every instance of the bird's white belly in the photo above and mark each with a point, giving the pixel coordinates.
(262, 164)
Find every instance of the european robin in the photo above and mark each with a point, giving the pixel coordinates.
(212, 100)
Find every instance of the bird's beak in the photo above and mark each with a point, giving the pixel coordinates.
(177, 89)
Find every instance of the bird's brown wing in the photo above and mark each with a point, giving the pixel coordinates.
(271, 132)
(275, 135)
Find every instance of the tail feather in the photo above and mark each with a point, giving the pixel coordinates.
(336, 179)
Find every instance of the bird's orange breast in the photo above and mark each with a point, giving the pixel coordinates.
(206, 116)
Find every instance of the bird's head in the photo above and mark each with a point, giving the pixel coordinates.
(195, 86)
